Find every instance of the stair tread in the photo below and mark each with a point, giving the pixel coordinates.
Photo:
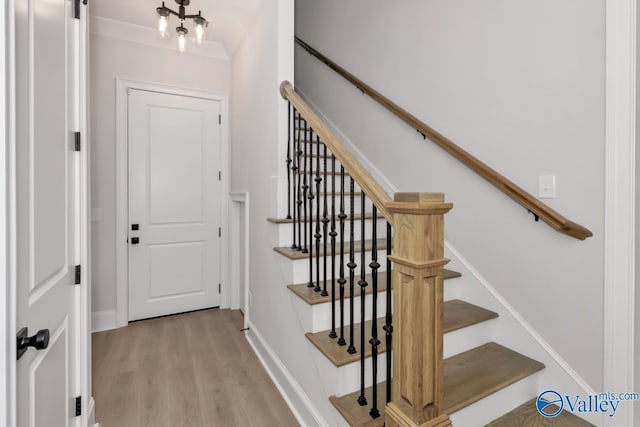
(526, 415)
(346, 193)
(295, 255)
(312, 297)
(355, 217)
(313, 172)
(314, 155)
(468, 377)
(477, 373)
(457, 314)
(306, 141)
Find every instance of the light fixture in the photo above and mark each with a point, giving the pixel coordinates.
(200, 22)
(182, 38)
(163, 22)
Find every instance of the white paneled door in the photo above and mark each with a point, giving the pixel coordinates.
(174, 203)
(48, 200)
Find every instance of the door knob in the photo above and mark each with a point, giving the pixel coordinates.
(135, 240)
(39, 341)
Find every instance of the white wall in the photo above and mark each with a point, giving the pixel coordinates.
(518, 84)
(258, 136)
(113, 58)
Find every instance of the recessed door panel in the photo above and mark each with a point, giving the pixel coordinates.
(50, 140)
(176, 163)
(175, 199)
(167, 281)
(50, 370)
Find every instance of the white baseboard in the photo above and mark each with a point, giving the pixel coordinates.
(103, 320)
(303, 409)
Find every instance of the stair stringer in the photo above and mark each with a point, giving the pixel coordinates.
(512, 330)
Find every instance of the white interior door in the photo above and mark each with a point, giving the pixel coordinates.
(174, 203)
(47, 169)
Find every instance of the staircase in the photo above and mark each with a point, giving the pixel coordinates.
(336, 235)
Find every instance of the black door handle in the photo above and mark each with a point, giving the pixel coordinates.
(39, 341)
(135, 240)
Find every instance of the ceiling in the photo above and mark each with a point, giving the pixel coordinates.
(229, 20)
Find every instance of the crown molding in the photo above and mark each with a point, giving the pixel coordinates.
(105, 27)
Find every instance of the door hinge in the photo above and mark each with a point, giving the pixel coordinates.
(78, 406)
(219, 288)
(77, 141)
(78, 275)
(219, 119)
(76, 7)
(219, 231)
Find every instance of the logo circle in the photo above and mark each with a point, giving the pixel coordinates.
(545, 402)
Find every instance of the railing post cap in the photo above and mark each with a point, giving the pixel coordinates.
(419, 204)
(405, 197)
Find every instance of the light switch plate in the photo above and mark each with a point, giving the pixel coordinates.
(547, 186)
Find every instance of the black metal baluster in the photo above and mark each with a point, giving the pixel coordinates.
(388, 327)
(310, 196)
(342, 280)
(374, 341)
(289, 161)
(352, 268)
(333, 235)
(317, 235)
(299, 186)
(362, 400)
(294, 169)
(305, 188)
(325, 223)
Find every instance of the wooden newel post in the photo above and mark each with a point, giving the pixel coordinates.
(418, 257)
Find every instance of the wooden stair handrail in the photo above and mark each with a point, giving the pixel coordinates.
(360, 175)
(533, 205)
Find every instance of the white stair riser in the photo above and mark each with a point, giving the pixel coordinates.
(498, 403)
(464, 339)
(347, 207)
(321, 313)
(338, 381)
(449, 288)
(320, 318)
(301, 266)
(334, 181)
(317, 317)
(285, 232)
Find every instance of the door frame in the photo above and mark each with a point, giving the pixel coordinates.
(619, 226)
(239, 201)
(8, 215)
(122, 189)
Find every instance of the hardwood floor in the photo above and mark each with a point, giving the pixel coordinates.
(189, 370)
